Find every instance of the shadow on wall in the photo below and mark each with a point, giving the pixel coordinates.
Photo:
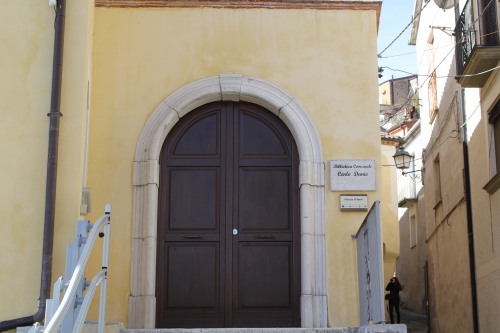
(412, 256)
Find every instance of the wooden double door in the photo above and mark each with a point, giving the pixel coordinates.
(228, 223)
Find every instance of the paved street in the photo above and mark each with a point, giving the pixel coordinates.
(415, 322)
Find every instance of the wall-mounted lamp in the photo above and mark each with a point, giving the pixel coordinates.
(402, 160)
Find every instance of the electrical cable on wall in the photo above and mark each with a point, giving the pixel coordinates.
(443, 76)
(413, 19)
(416, 52)
(418, 89)
(428, 76)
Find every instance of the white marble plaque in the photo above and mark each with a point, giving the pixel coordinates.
(352, 175)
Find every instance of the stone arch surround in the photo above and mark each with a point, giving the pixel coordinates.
(228, 87)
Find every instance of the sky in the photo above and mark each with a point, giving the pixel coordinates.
(395, 16)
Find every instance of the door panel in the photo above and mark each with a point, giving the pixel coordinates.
(194, 198)
(190, 267)
(258, 138)
(224, 167)
(266, 252)
(264, 199)
(264, 270)
(200, 138)
(192, 275)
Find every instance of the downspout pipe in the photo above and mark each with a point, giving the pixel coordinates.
(470, 225)
(50, 189)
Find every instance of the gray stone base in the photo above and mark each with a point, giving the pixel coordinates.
(88, 327)
(91, 327)
(383, 328)
(246, 330)
(386, 328)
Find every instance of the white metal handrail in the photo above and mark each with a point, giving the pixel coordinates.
(86, 303)
(100, 278)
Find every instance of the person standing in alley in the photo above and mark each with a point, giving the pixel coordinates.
(394, 287)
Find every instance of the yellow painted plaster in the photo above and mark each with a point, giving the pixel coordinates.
(389, 213)
(26, 66)
(25, 63)
(326, 59)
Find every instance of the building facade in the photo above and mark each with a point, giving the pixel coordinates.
(220, 114)
(457, 46)
(478, 52)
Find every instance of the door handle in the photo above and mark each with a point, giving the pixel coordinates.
(192, 237)
(264, 236)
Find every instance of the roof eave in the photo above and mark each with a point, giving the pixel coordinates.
(414, 27)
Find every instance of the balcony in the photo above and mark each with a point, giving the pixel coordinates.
(478, 45)
(407, 191)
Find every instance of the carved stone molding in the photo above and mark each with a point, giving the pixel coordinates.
(493, 184)
(247, 4)
(229, 87)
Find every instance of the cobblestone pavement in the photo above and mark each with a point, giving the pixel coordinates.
(416, 323)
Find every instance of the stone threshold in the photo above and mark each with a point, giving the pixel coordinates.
(385, 328)
(91, 327)
(246, 330)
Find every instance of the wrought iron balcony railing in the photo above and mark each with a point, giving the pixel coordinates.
(465, 35)
(478, 43)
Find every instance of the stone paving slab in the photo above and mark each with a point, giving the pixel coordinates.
(246, 330)
(415, 322)
(91, 327)
(385, 328)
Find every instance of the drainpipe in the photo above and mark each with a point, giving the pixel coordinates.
(470, 226)
(50, 189)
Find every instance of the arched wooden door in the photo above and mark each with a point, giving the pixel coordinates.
(228, 225)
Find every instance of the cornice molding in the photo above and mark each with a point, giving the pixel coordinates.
(247, 4)
(390, 142)
(493, 184)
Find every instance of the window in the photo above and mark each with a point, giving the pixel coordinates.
(431, 86)
(437, 180)
(433, 102)
(413, 231)
(494, 120)
(493, 184)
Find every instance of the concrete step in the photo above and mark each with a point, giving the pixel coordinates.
(91, 327)
(88, 327)
(399, 328)
(245, 330)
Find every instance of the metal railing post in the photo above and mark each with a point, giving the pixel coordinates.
(104, 283)
(73, 309)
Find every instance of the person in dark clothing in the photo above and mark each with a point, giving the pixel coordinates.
(394, 287)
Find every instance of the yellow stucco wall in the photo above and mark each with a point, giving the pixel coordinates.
(25, 64)
(26, 54)
(142, 55)
(389, 213)
(134, 58)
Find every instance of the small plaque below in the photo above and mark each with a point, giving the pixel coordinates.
(353, 203)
